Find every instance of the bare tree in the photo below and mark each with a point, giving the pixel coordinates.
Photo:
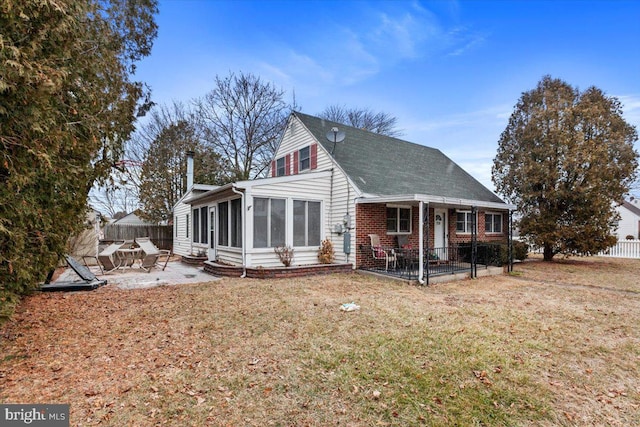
(362, 118)
(242, 119)
(160, 147)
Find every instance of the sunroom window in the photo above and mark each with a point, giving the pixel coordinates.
(269, 222)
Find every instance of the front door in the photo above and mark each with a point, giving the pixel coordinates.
(212, 234)
(440, 241)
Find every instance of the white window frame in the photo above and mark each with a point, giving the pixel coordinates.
(225, 222)
(397, 230)
(269, 243)
(306, 223)
(493, 215)
(467, 221)
(280, 166)
(302, 159)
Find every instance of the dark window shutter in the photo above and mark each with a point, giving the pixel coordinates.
(314, 156)
(287, 165)
(296, 161)
(273, 168)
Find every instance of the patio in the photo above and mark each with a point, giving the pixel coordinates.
(175, 273)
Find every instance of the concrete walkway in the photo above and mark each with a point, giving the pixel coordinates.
(176, 273)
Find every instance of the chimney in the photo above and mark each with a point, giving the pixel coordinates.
(189, 169)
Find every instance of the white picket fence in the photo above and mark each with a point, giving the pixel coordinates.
(623, 249)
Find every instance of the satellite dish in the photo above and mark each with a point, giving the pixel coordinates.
(335, 136)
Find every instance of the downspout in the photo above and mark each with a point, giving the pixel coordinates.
(244, 250)
(421, 242)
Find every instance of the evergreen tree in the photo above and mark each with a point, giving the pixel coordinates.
(565, 160)
(67, 104)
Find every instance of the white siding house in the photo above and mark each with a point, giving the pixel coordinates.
(629, 224)
(182, 219)
(316, 190)
(182, 244)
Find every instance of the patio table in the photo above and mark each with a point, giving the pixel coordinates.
(127, 257)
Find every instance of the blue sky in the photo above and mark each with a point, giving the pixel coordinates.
(450, 71)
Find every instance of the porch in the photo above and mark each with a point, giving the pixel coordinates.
(425, 241)
(443, 264)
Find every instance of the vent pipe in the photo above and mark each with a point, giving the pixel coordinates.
(189, 169)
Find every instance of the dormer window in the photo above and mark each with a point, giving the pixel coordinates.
(280, 167)
(304, 159)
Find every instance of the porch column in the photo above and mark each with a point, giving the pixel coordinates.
(474, 242)
(421, 241)
(510, 242)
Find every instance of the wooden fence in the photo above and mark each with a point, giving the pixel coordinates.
(160, 235)
(623, 249)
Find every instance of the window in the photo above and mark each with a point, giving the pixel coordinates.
(196, 225)
(492, 222)
(463, 222)
(280, 167)
(398, 220)
(223, 224)
(304, 159)
(204, 224)
(269, 222)
(230, 223)
(236, 223)
(306, 223)
(200, 225)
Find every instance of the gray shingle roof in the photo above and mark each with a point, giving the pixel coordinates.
(387, 166)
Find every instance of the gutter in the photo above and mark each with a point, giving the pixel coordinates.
(244, 220)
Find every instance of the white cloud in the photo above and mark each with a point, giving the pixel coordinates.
(345, 53)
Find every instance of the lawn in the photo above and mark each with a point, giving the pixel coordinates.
(551, 344)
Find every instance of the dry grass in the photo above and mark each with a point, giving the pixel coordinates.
(556, 344)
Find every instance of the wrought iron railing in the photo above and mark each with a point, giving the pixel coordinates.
(405, 262)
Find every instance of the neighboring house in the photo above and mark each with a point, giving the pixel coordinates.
(182, 242)
(130, 219)
(366, 184)
(629, 224)
(86, 243)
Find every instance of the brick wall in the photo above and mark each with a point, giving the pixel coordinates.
(372, 219)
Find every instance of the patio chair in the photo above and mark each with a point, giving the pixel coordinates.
(380, 253)
(406, 255)
(150, 253)
(107, 260)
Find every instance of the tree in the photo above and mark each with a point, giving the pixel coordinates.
(242, 119)
(363, 118)
(162, 145)
(67, 106)
(565, 159)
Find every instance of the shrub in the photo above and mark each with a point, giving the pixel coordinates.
(285, 253)
(326, 254)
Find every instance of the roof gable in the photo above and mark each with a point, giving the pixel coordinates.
(631, 208)
(382, 165)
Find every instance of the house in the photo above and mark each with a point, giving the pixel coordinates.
(86, 243)
(329, 180)
(183, 244)
(629, 223)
